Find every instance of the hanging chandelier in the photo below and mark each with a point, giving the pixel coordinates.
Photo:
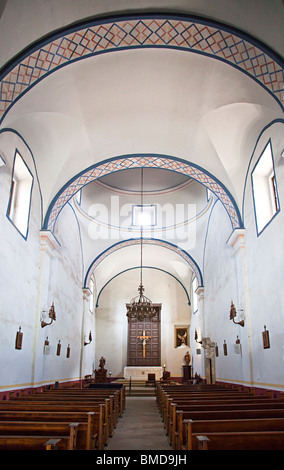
(140, 307)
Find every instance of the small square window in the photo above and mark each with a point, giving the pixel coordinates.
(144, 215)
(264, 186)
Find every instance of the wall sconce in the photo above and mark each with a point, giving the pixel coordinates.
(68, 351)
(196, 338)
(58, 348)
(90, 339)
(51, 314)
(233, 314)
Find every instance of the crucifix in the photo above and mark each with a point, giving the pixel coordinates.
(144, 339)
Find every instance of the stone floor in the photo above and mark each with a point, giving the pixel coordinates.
(140, 427)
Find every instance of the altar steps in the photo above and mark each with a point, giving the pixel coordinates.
(137, 388)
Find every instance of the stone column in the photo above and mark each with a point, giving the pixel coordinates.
(237, 243)
(48, 247)
(86, 295)
(209, 360)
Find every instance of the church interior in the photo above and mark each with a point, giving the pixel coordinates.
(141, 187)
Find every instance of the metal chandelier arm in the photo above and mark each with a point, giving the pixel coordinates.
(141, 308)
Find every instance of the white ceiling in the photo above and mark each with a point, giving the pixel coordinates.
(167, 102)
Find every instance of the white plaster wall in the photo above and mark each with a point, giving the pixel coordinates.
(253, 282)
(24, 296)
(19, 261)
(65, 290)
(111, 320)
(221, 286)
(264, 255)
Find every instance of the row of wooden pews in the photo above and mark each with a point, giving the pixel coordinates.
(61, 419)
(201, 417)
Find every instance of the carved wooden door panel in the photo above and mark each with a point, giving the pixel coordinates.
(151, 327)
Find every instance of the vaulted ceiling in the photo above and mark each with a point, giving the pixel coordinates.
(190, 103)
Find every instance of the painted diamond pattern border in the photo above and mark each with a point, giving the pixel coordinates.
(138, 162)
(160, 32)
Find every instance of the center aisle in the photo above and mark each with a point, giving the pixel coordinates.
(140, 428)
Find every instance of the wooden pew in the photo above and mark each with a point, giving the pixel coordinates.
(167, 399)
(31, 443)
(13, 433)
(174, 400)
(188, 429)
(257, 440)
(112, 398)
(117, 393)
(108, 421)
(216, 406)
(57, 408)
(90, 424)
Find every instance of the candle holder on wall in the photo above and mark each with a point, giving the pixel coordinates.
(51, 314)
(265, 338)
(58, 348)
(216, 350)
(225, 348)
(233, 314)
(237, 346)
(46, 347)
(68, 351)
(19, 339)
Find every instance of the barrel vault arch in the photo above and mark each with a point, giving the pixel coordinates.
(116, 164)
(179, 32)
(143, 267)
(146, 241)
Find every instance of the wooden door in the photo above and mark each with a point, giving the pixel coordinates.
(152, 328)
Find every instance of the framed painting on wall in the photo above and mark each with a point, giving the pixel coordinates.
(181, 336)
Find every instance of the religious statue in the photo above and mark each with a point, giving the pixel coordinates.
(102, 363)
(100, 374)
(187, 358)
(197, 379)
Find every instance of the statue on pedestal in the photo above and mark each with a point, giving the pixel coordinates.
(101, 373)
(187, 358)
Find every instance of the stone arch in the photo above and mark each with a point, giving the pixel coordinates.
(179, 32)
(146, 241)
(142, 161)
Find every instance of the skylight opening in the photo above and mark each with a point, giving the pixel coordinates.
(144, 215)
